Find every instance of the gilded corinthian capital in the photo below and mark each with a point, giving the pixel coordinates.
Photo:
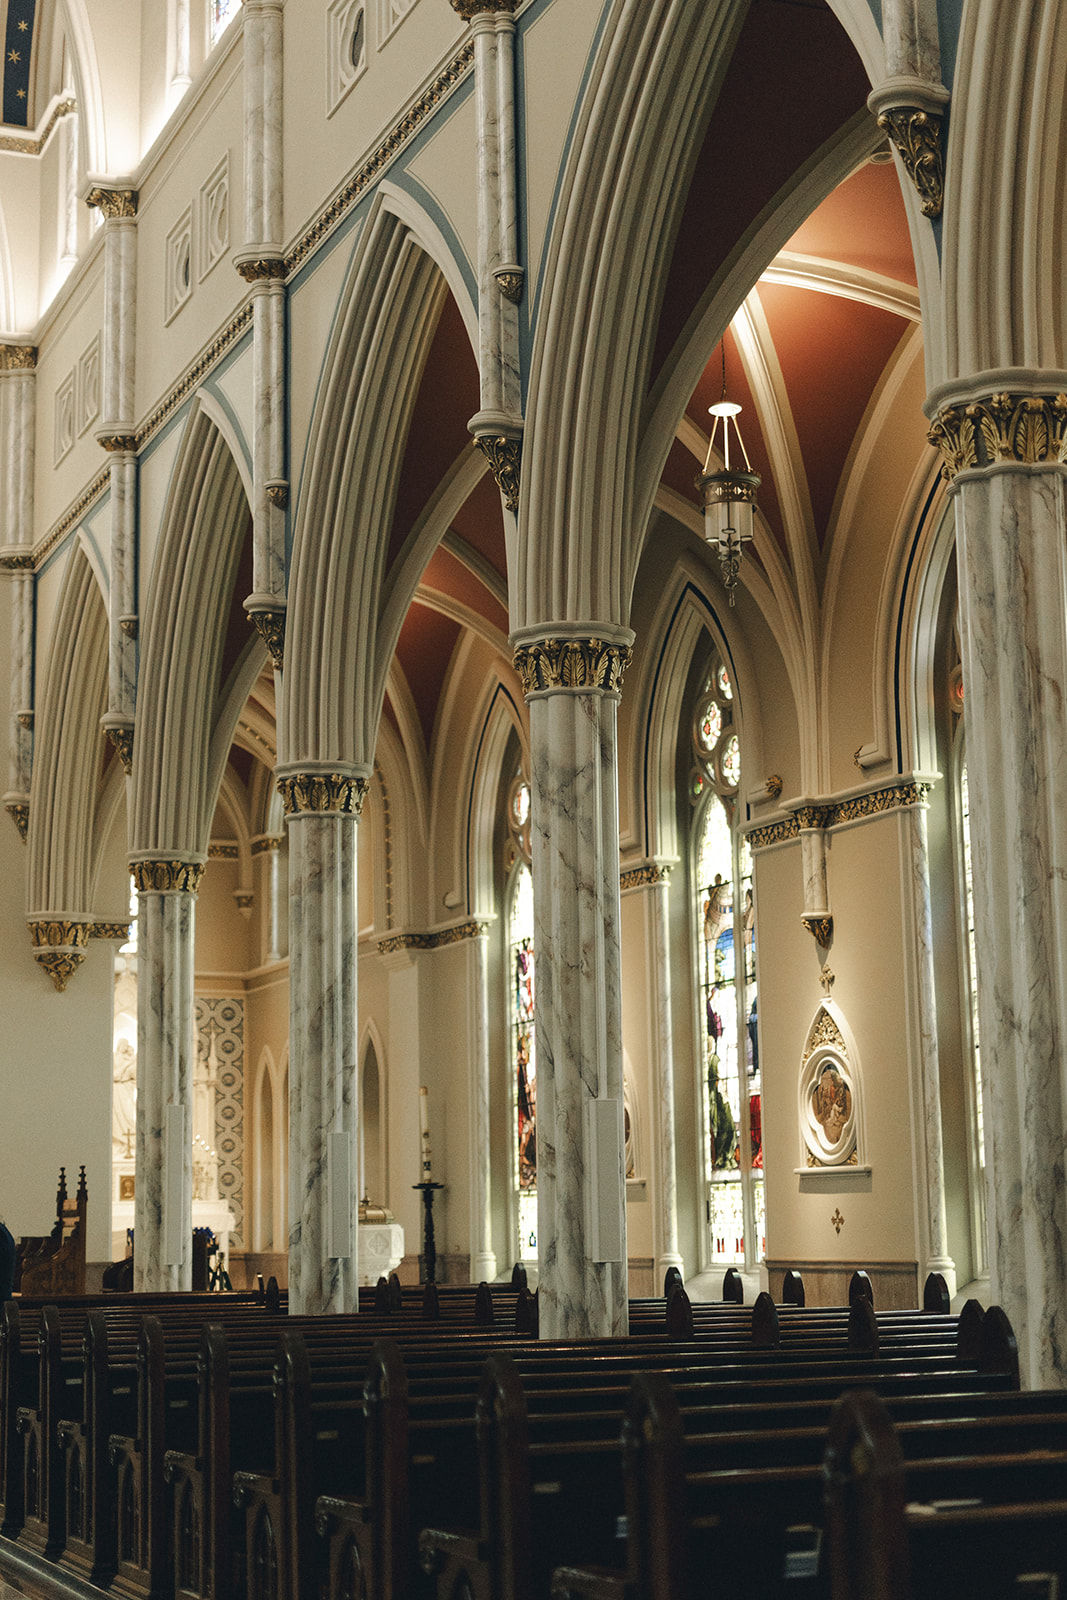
(167, 877)
(469, 9)
(322, 794)
(59, 947)
(113, 202)
(582, 664)
(995, 429)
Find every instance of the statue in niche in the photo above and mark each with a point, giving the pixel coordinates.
(831, 1102)
(124, 1099)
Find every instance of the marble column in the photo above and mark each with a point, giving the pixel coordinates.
(483, 1259)
(116, 434)
(1003, 450)
(572, 682)
(166, 1061)
(919, 950)
(497, 425)
(262, 264)
(665, 1202)
(17, 421)
(322, 812)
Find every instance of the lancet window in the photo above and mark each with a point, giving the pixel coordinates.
(521, 1015)
(725, 938)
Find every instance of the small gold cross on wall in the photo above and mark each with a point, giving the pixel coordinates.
(838, 1220)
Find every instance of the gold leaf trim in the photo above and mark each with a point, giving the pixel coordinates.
(110, 930)
(316, 794)
(263, 269)
(504, 456)
(1028, 429)
(583, 664)
(917, 136)
(121, 736)
(167, 877)
(270, 625)
(510, 282)
(222, 850)
(896, 797)
(772, 833)
(33, 147)
(432, 941)
(113, 202)
(118, 443)
(18, 357)
(469, 9)
(390, 146)
(644, 877)
(266, 843)
(821, 929)
(19, 812)
(23, 561)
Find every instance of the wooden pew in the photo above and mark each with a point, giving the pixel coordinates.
(884, 1547)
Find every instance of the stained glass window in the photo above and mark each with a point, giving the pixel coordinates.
(524, 1054)
(726, 940)
(222, 12)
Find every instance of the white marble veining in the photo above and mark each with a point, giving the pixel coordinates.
(498, 325)
(18, 393)
(20, 763)
(483, 1258)
(1012, 543)
(120, 325)
(263, 123)
(920, 950)
(813, 865)
(912, 46)
(122, 686)
(322, 1057)
(665, 1210)
(166, 1056)
(575, 837)
(268, 438)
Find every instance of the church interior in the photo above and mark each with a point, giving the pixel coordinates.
(414, 775)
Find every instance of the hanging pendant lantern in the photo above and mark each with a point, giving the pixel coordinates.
(729, 496)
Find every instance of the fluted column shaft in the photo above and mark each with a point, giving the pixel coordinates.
(322, 812)
(166, 1058)
(572, 687)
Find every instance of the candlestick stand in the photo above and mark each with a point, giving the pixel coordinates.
(429, 1249)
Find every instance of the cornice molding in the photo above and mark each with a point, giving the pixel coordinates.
(809, 816)
(645, 877)
(34, 146)
(395, 942)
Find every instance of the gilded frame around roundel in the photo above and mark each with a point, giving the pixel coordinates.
(827, 1099)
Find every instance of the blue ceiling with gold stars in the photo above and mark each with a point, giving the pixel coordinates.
(17, 19)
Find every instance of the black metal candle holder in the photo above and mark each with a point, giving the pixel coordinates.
(429, 1249)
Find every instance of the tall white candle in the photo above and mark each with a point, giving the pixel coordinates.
(424, 1130)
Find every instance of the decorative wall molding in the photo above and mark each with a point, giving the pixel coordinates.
(645, 877)
(19, 812)
(33, 147)
(319, 793)
(167, 877)
(117, 931)
(916, 134)
(266, 842)
(830, 1092)
(223, 850)
(892, 797)
(469, 9)
(121, 736)
(589, 665)
(1001, 428)
(376, 163)
(395, 942)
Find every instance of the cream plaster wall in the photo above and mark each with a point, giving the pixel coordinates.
(55, 1068)
(19, 198)
(866, 958)
(73, 322)
(413, 55)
